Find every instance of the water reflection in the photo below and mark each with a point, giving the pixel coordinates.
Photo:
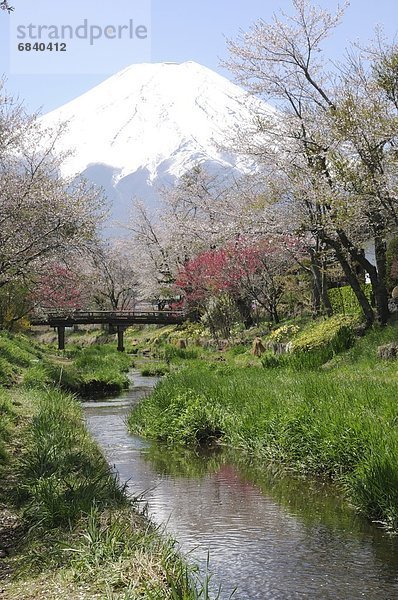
(273, 536)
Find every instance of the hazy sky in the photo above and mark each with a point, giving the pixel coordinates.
(177, 31)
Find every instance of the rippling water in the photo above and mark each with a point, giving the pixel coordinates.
(271, 536)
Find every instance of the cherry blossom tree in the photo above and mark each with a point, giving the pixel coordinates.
(205, 209)
(113, 277)
(59, 287)
(250, 273)
(155, 260)
(43, 216)
(201, 212)
(328, 151)
(259, 270)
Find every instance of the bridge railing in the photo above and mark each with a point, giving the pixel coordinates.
(105, 313)
(103, 316)
(122, 319)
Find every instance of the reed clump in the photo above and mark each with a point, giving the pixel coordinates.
(96, 372)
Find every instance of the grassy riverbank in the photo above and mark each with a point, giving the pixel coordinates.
(80, 536)
(90, 367)
(338, 420)
(67, 527)
(94, 372)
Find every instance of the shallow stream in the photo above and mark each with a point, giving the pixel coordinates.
(271, 536)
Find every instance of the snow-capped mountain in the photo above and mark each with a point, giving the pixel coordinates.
(145, 126)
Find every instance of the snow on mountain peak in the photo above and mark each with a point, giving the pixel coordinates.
(150, 123)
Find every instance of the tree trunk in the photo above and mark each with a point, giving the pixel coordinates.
(244, 307)
(316, 296)
(380, 290)
(325, 294)
(274, 314)
(352, 281)
(320, 286)
(378, 285)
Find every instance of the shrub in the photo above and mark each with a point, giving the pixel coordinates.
(335, 333)
(238, 349)
(344, 301)
(302, 360)
(305, 360)
(284, 333)
(314, 345)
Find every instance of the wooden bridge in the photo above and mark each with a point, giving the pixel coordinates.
(119, 319)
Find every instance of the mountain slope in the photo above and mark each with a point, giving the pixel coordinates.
(150, 123)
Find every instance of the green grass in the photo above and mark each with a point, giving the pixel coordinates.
(62, 472)
(37, 376)
(84, 537)
(81, 535)
(168, 352)
(96, 371)
(339, 422)
(7, 418)
(17, 352)
(364, 350)
(154, 370)
(18, 349)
